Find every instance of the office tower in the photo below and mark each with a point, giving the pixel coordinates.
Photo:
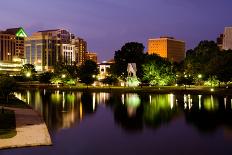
(167, 47)
(12, 44)
(227, 39)
(45, 49)
(91, 56)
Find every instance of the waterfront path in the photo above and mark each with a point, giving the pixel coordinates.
(31, 130)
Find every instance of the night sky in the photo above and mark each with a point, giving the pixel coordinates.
(108, 24)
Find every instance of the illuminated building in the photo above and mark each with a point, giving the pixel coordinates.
(167, 47)
(12, 68)
(104, 69)
(42, 49)
(45, 48)
(81, 48)
(12, 44)
(227, 39)
(68, 54)
(91, 56)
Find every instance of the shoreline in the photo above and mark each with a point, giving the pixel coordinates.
(114, 89)
(31, 130)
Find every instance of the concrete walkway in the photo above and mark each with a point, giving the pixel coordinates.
(31, 130)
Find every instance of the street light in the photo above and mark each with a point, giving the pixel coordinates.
(199, 76)
(63, 76)
(28, 74)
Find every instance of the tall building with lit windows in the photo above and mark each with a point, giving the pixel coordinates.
(91, 56)
(227, 39)
(12, 44)
(81, 48)
(167, 47)
(46, 48)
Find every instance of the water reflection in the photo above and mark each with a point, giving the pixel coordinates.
(132, 112)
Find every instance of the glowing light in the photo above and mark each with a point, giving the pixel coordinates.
(211, 103)
(212, 90)
(21, 33)
(199, 76)
(225, 100)
(172, 101)
(63, 76)
(199, 96)
(94, 102)
(81, 111)
(28, 74)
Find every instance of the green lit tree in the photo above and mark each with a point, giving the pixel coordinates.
(158, 71)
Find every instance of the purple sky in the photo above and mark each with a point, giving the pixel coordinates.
(108, 24)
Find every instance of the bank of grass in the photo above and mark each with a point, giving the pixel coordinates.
(145, 89)
(7, 124)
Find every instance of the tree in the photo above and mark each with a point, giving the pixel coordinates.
(158, 71)
(131, 52)
(197, 60)
(28, 70)
(88, 72)
(7, 86)
(110, 80)
(46, 77)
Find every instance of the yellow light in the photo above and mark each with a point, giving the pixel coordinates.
(199, 76)
(212, 90)
(28, 74)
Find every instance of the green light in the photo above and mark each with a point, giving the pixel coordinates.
(21, 33)
(133, 100)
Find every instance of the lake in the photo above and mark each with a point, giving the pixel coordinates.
(116, 124)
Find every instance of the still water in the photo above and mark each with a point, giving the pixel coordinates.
(107, 123)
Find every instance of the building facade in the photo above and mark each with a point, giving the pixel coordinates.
(104, 68)
(45, 48)
(167, 47)
(91, 56)
(81, 48)
(227, 39)
(12, 44)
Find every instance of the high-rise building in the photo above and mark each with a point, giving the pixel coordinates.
(227, 39)
(12, 44)
(68, 53)
(91, 56)
(45, 48)
(167, 47)
(81, 48)
(42, 49)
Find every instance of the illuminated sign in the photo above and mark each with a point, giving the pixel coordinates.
(21, 33)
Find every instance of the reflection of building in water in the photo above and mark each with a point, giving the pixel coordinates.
(60, 109)
(188, 101)
(102, 97)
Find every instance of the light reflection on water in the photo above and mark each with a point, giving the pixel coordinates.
(62, 109)
(135, 113)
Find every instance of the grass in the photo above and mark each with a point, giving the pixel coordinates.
(7, 124)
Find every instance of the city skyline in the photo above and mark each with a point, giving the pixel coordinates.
(108, 24)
